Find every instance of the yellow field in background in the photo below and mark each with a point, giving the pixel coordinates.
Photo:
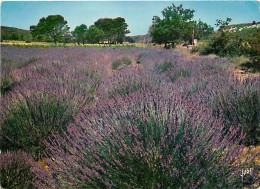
(35, 44)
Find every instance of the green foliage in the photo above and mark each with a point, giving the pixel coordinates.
(164, 66)
(114, 29)
(129, 39)
(241, 108)
(222, 24)
(174, 26)
(121, 62)
(7, 83)
(53, 25)
(203, 50)
(233, 44)
(27, 123)
(202, 30)
(94, 35)
(253, 48)
(80, 33)
(9, 33)
(225, 44)
(16, 170)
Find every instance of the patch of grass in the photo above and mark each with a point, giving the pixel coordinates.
(121, 62)
(164, 66)
(7, 82)
(239, 61)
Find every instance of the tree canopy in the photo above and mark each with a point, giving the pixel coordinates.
(114, 29)
(174, 25)
(94, 35)
(222, 24)
(203, 30)
(53, 25)
(80, 33)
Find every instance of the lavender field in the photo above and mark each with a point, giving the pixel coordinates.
(143, 118)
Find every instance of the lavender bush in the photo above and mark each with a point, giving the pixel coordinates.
(16, 170)
(240, 105)
(128, 81)
(169, 122)
(30, 120)
(146, 140)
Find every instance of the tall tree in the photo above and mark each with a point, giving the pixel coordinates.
(53, 25)
(114, 29)
(80, 33)
(170, 28)
(94, 35)
(203, 30)
(120, 27)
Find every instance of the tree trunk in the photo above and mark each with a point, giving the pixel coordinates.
(54, 39)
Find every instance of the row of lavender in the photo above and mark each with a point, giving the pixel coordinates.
(69, 121)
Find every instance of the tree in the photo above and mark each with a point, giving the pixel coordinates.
(14, 36)
(170, 28)
(94, 35)
(114, 29)
(222, 24)
(53, 25)
(120, 27)
(203, 30)
(80, 33)
(129, 39)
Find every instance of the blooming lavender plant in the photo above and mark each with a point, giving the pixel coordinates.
(146, 140)
(16, 170)
(170, 122)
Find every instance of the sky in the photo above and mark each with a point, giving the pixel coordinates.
(138, 14)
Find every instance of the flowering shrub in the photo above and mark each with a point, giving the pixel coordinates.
(139, 58)
(163, 67)
(172, 122)
(31, 120)
(240, 107)
(128, 81)
(16, 170)
(146, 140)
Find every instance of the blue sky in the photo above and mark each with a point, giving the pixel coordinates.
(138, 14)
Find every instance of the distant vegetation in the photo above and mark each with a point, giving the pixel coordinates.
(54, 28)
(9, 33)
(226, 43)
(176, 27)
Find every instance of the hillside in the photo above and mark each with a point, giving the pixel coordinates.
(10, 33)
(142, 38)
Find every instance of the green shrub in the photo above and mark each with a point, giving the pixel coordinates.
(121, 62)
(240, 109)
(28, 121)
(139, 58)
(254, 50)
(16, 170)
(174, 76)
(164, 66)
(201, 49)
(7, 83)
